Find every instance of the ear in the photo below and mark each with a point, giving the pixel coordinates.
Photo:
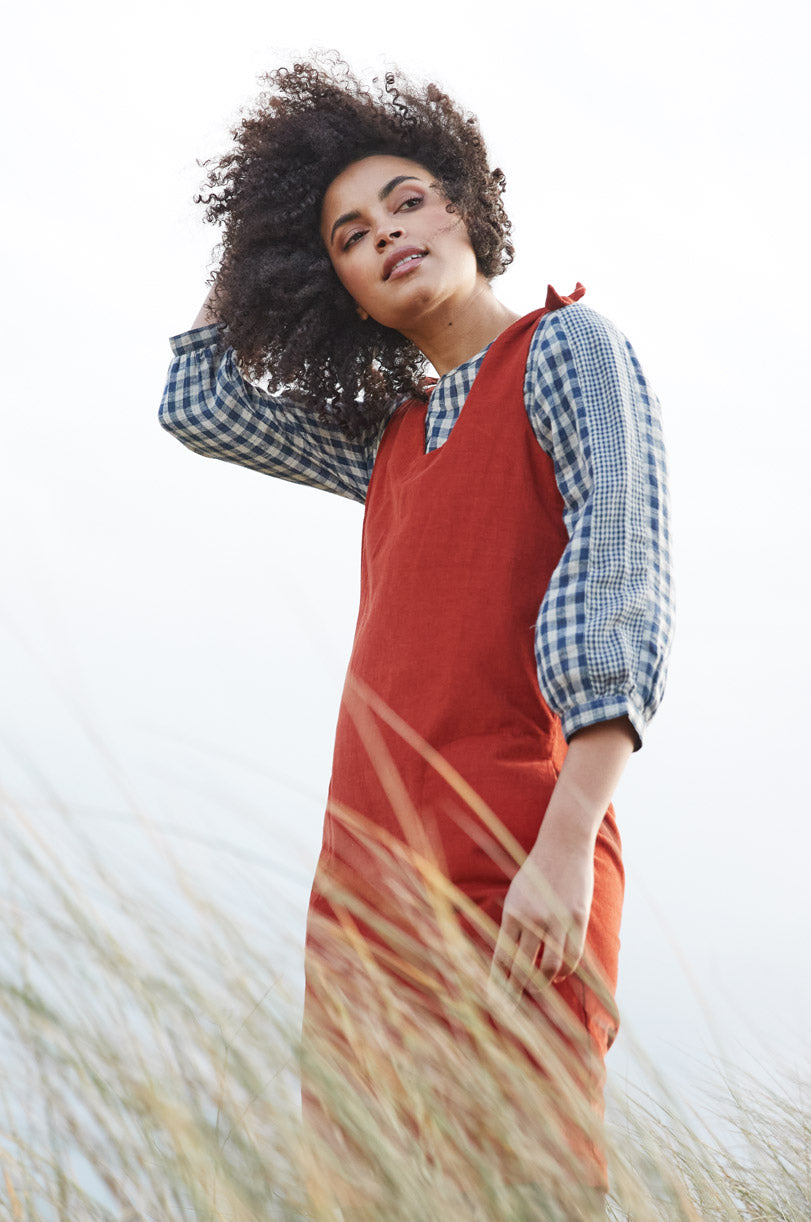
(361, 313)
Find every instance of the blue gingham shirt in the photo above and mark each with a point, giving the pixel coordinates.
(603, 631)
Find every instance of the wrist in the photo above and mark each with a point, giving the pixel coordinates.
(568, 823)
(582, 794)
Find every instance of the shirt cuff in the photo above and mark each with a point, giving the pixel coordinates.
(195, 340)
(605, 708)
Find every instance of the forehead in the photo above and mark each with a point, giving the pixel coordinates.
(363, 180)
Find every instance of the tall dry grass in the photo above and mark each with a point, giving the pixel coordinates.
(152, 1058)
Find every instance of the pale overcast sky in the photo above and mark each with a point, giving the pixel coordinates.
(196, 618)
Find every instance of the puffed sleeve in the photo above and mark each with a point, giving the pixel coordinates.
(209, 406)
(604, 628)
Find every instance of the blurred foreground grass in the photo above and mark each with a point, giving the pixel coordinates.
(151, 1072)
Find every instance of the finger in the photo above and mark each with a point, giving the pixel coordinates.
(568, 960)
(565, 969)
(504, 952)
(551, 960)
(523, 964)
(572, 955)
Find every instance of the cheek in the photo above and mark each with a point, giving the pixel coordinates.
(357, 286)
(455, 230)
(349, 278)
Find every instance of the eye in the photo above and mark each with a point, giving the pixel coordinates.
(352, 239)
(413, 201)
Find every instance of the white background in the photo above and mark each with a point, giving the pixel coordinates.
(173, 631)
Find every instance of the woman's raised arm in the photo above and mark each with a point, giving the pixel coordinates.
(214, 411)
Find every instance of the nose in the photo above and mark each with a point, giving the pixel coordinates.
(384, 236)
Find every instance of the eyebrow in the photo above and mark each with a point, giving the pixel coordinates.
(382, 194)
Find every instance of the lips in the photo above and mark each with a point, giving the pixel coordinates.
(405, 256)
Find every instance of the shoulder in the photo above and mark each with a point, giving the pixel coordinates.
(576, 333)
(584, 378)
(577, 355)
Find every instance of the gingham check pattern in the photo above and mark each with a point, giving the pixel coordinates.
(604, 627)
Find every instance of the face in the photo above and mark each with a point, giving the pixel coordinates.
(394, 245)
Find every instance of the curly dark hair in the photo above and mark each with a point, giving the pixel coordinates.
(281, 305)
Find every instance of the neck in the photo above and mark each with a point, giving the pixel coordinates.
(456, 331)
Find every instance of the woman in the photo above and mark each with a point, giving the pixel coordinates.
(514, 621)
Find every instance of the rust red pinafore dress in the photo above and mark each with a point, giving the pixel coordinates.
(458, 549)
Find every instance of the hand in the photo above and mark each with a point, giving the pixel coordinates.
(546, 910)
(548, 903)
